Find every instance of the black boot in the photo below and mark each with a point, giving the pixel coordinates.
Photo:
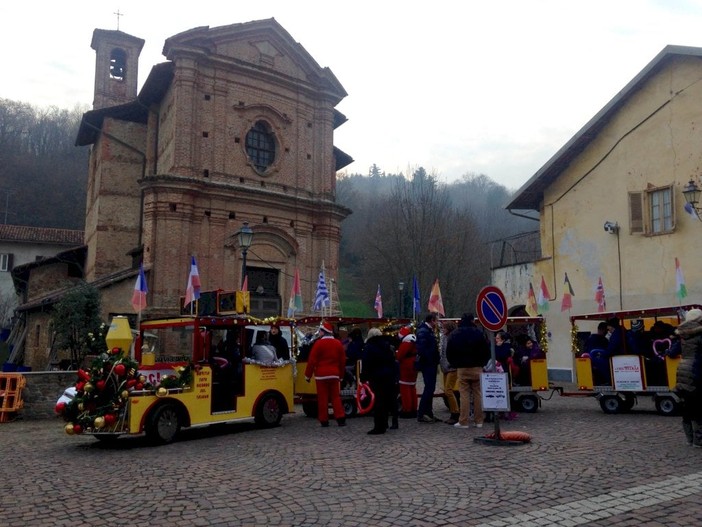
(452, 420)
(395, 424)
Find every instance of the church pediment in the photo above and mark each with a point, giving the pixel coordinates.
(263, 45)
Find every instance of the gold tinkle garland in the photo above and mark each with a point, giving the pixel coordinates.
(574, 343)
(543, 337)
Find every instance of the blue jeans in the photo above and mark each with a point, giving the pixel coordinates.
(426, 402)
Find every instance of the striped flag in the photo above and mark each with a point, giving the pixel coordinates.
(544, 295)
(600, 297)
(378, 305)
(531, 302)
(140, 290)
(321, 297)
(295, 303)
(192, 291)
(436, 304)
(567, 302)
(679, 281)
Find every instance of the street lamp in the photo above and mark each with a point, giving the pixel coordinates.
(401, 287)
(692, 196)
(245, 238)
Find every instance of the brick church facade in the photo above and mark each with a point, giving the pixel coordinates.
(236, 126)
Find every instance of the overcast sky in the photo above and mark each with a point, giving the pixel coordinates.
(491, 87)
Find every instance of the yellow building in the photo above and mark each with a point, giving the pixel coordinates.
(610, 204)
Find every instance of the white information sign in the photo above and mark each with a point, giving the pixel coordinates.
(495, 392)
(626, 371)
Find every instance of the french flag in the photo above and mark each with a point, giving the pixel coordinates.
(193, 290)
(140, 290)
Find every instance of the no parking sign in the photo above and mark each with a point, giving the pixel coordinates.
(491, 308)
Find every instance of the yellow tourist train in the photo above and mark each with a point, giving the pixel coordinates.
(183, 372)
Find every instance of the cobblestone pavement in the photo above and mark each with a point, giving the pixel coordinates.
(582, 467)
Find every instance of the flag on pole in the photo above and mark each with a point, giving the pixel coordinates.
(140, 290)
(321, 297)
(679, 281)
(192, 291)
(436, 305)
(567, 302)
(543, 298)
(295, 303)
(531, 302)
(600, 297)
(416, 306)
(378, 305)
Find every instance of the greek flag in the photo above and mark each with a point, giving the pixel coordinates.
(321, 297)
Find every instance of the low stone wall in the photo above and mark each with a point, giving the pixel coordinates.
(42, 391)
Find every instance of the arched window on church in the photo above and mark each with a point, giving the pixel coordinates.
(260, 146)
(118, 64)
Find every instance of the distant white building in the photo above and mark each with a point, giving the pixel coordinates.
(20, 245)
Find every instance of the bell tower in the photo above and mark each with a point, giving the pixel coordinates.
(116, 65)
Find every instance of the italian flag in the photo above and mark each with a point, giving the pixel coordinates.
(679, 281)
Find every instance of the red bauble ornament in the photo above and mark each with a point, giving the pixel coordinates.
(115, 351)
(79, 386)
(139, 386)
(110, 419)
(83, 375)
(77, 429)
(120, 370)
(131, 383)
(60, 407)
(100, 385)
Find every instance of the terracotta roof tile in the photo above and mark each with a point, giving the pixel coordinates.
(22, 233)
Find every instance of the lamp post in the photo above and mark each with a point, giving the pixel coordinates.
(245, 238)
(692, 197)
(401, 287)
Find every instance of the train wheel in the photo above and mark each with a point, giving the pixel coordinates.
(163, 424)
(611, 404)
(269, 411)
(310, 408)
(629, 402)
(528, 403)
(666, 406)
(350, 408)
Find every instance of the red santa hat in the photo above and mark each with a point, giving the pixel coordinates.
(404, 331)
(326, 327)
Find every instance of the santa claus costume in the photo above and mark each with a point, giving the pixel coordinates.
(406, 354)
(327, 362)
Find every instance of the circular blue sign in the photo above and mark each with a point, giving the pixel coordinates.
(491, 307)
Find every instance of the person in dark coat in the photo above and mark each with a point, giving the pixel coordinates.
(380, 370)
(428, 358)
(468, 350)
(276, 339)
(597, 340)
(689, 378)
(504, 351)
(527, 349)
(618, 338)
